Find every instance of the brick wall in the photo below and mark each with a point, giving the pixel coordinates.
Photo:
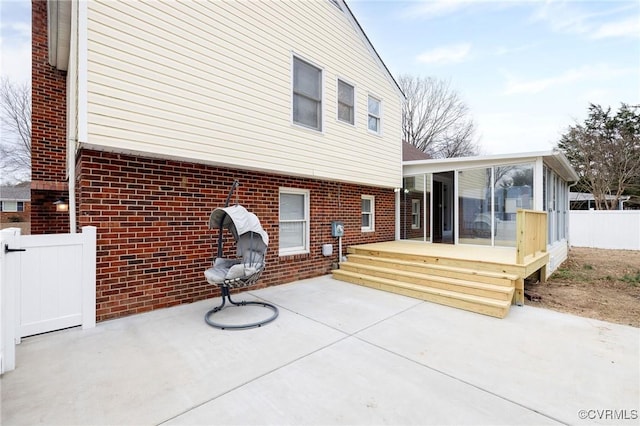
(44, 217)
(48, 129)
(152, 222)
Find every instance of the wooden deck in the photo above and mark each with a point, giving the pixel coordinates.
(481, 279)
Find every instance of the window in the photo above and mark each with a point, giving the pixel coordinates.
(374, 115)
(415, 214)
(294, 221)
(12, 206)
(345, 102)
(368, 213)
(555, 202)
(307, 94)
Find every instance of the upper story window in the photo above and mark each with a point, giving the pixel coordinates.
(374, 114)
(346, 102)
(307, 94)
(368, 213)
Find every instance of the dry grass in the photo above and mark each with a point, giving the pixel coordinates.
(594, 283)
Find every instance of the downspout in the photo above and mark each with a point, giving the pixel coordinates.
(396, 192)
(79, 17)
(72, 187)
(72, 107)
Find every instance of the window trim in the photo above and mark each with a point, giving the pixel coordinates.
(372, 227)
(338, 80)
(295, 56)
(307, 212)
(379, 116)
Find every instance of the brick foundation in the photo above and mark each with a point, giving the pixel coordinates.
(152, 222)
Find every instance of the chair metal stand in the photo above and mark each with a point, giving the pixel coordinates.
(227, 295)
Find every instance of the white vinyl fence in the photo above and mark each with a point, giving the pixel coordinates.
(47, 282)
(607, 229)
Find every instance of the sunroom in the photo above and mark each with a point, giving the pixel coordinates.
(470, 231)
(474, 200)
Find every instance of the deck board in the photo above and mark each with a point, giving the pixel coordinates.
(505, 255)
(455, 261)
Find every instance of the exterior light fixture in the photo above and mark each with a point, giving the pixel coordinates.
(61, 205)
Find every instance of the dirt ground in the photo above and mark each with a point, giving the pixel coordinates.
(593, 283)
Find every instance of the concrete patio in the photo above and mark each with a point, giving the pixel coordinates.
(337, 354)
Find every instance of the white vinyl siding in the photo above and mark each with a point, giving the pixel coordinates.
(293, 221)
(211, 82)
(368, 213)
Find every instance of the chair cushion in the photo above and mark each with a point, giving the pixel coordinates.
(215, 275)
(236, 271)
(221, 267)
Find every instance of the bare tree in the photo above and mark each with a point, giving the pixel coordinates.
(15, 146)
(605, 151)
(434, 118)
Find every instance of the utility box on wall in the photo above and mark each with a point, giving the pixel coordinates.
(337, 229)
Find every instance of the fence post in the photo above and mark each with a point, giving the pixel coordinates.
(520, 236)
(8, 276)
(88, 277)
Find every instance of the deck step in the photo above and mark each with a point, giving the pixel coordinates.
(487, 277)
(469, 302)
(448, 260)
(425, 279)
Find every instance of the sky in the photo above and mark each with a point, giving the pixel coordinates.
(527, 69)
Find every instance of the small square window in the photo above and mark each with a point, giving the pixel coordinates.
(374, 115)
(345, 102)
(368, 213)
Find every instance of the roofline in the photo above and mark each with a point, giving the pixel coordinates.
(355, 20)
(555, 153)
(512, 156)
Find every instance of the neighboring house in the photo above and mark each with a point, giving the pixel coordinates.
(15, 205)
(474, 200)
(586, 201)
(144, 113)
